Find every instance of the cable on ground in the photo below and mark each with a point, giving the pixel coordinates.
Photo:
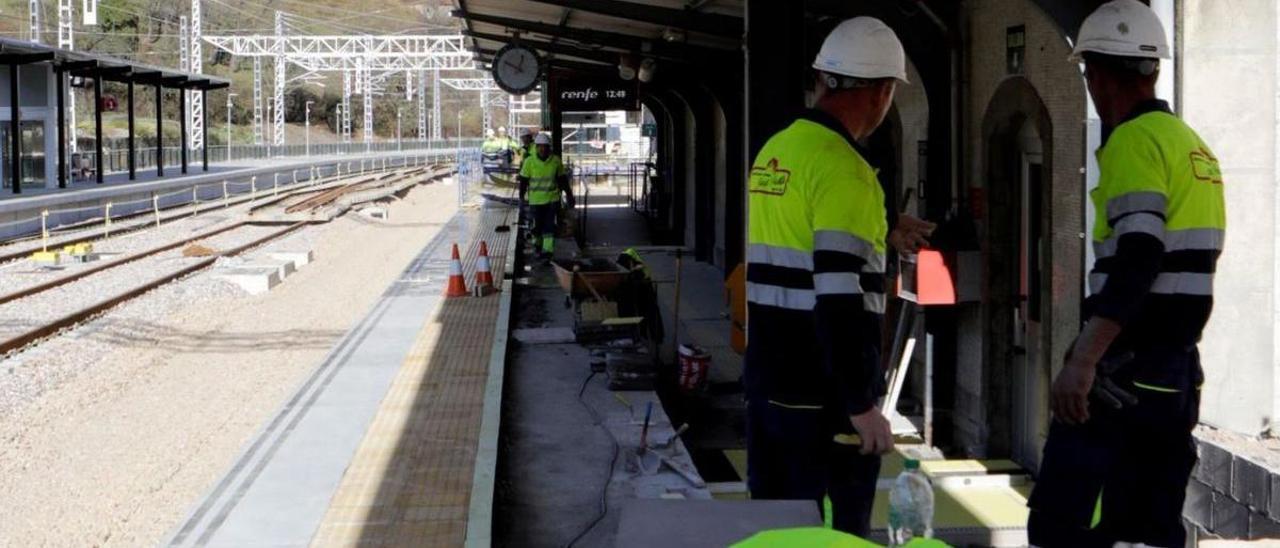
(613, 462)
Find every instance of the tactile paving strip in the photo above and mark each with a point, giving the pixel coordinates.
(409, 482)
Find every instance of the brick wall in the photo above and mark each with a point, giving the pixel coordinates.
(1231, 497)
(1061, 89)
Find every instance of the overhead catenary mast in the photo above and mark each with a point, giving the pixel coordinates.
(422, 106)
(365, 61)
(367, 91)
(184, 49)
(257, 101)
(195, 99)
(435, 105)
(90, 9)
(66, 40)
(277, 103)
(346, 106)
(33, 13)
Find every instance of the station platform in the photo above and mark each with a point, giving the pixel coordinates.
(568, 471)
(393, 438)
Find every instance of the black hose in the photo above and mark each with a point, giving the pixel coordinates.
(613, 461)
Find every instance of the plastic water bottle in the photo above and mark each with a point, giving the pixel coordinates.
(910, 505)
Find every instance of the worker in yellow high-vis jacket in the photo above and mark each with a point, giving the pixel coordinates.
(526, 148)
(542, 179)
(815, 286)
(1120, 449)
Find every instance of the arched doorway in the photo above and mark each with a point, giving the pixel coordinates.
(1018, 145)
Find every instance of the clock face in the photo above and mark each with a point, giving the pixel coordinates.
(516, 69)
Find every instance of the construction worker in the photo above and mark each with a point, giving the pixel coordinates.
(542, 178)
(630, 259)
(1120, 449)
(638, 295)
(526, 147)
(490, 144)
(815, 286)
(491, 149)
(508, 144)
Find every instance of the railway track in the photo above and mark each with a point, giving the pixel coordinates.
(75, 298)
(326, 196)
(329, 196)
(70, 300)
(315, 200)
(91, 234)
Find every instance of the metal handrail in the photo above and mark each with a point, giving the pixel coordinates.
(68, 218)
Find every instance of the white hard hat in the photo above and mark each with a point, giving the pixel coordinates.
(488, 132)
(502, 130)
(542, 139)
(863, 47)
(1125, 28)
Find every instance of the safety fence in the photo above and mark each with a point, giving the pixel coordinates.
(601, 166)
(224, 192)
(470, 172)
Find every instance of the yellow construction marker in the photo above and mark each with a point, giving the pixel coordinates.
(78, 249)
(47, 257)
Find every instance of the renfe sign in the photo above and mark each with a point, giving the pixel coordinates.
(576, 95)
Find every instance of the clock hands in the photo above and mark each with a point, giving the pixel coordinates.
(518, 60)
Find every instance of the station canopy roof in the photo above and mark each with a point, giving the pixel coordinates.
(594, 34)
(110, 68)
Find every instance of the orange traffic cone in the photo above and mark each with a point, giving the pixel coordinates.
(457, 285)
(484, 278)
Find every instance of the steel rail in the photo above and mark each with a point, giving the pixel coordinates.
(53, 327)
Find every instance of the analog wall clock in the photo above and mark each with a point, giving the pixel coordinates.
(516, 69)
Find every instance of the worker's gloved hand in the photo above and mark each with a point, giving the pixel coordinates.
(911, 234)
(1105, 389)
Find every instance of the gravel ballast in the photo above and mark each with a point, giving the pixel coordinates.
(22, 315)
(109, 432)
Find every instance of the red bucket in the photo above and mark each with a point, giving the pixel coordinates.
(694, 365)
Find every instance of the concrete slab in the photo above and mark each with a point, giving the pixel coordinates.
(374, 212)
(544, 335)
(698, 523)
(256, 280)
(298, 258)
(283, 268)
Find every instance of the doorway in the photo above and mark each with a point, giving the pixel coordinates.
(32, 159)
(1029, 356)
(1017, 314)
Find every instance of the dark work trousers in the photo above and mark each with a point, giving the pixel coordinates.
(1122, 476)
(544, 226)
(792, 455)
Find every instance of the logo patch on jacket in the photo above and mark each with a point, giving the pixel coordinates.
(769, 179)
(1205, 167)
